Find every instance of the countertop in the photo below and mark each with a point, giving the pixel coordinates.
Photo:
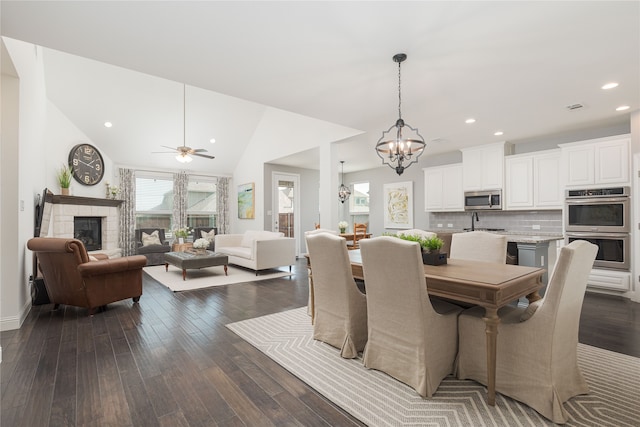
(512, 236)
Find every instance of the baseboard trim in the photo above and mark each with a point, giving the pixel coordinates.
(15, 322)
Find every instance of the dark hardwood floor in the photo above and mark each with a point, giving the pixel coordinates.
(170, 360)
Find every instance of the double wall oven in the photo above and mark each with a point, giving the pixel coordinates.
(602, 217)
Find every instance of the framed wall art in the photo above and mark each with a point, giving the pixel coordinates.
(398, 205)
(246, 201)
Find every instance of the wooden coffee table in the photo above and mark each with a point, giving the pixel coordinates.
(191, 260)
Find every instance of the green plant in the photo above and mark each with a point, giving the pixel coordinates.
(433, 243)
(430, 244)
(182, 232)
(65, 173)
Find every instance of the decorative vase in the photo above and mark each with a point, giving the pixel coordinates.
(64, 191)
(343, 230)
(434, 257)
(181, 240)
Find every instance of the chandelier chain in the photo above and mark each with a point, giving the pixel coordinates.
(399, 92)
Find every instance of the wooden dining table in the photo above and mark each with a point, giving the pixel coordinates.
(488, 285)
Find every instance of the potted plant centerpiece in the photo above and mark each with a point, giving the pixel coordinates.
(430, 248)
(201, 245)
(64, 179)
(431, 251)
(342, 225)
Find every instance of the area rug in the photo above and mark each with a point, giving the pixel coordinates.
(378, 400)
(207, 277)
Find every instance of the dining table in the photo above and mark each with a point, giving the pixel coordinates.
(489, 285)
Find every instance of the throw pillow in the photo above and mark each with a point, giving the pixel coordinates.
(150, 239)
(210, 236)
(531, 308)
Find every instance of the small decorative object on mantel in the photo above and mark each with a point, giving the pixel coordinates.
(201, 245)
(112, 191)
(65, 173)
(342, 225)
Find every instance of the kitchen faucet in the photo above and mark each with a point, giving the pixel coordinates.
(474, 215)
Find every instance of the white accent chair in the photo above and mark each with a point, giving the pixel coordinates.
(257, 250)
(340, 309)
(410, 337)
(537, 361)
(479, 246)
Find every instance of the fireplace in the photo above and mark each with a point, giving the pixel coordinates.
(88, 229)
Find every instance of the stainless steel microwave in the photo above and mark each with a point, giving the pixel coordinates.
(482, 200)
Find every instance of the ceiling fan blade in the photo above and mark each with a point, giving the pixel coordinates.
(170, 148)
(163, 152)
(198, 150)
(203, 155)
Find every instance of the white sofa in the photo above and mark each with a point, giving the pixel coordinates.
(257, 250)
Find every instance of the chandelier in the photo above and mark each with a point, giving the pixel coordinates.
(343, 190)
(401, 148)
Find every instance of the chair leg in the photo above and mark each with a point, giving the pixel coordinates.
(56, 306)
(92, 311)
(136, 299)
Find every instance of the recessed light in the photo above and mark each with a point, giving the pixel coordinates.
(498, 133)
(108, 124)
(469, 121)
(610, 85)
(622, 108)
(212, 140)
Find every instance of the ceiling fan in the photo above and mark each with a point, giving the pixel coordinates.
(183, 152)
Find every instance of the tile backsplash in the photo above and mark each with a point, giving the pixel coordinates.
(549, 222)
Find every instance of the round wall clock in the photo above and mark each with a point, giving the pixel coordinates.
(87, 164)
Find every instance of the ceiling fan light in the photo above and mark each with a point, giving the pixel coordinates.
(183, 158)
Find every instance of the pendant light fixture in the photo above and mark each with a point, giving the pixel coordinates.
(401, 148)
(343, 190)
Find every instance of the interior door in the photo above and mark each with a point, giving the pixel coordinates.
(286, 206)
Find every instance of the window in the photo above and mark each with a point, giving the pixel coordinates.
(359, 203)
(154, 202)
(202, 203)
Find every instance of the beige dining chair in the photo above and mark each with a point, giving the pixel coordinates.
(411, 338)
(310, 303)
(537, 360)
(479, 246)
(340, 309)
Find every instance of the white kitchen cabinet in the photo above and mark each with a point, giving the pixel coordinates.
(483, 167)
(443, 188)
(596, 162)
(533, 181)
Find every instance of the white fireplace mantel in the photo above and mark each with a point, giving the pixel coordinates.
(65, 208)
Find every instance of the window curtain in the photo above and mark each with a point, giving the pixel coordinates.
(180, 199)
(127, 225)
(223, 205)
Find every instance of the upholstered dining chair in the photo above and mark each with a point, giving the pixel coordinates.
(537, 360)
(410, 337)
(310, 304)
(340, 309)
(359, 233)
(479, 246)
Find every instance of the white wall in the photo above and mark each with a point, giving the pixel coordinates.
(275, 134)
(23, 163)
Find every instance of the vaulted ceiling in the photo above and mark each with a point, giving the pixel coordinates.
(513, 66)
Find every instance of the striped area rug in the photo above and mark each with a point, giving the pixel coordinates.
(378, 400)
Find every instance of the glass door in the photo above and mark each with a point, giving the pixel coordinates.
(286, 205)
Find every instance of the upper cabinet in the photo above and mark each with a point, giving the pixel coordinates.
(443, 188)
(596, 162)
(533, 181)
(483, 167)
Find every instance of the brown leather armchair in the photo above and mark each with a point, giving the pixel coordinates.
(72, 279)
